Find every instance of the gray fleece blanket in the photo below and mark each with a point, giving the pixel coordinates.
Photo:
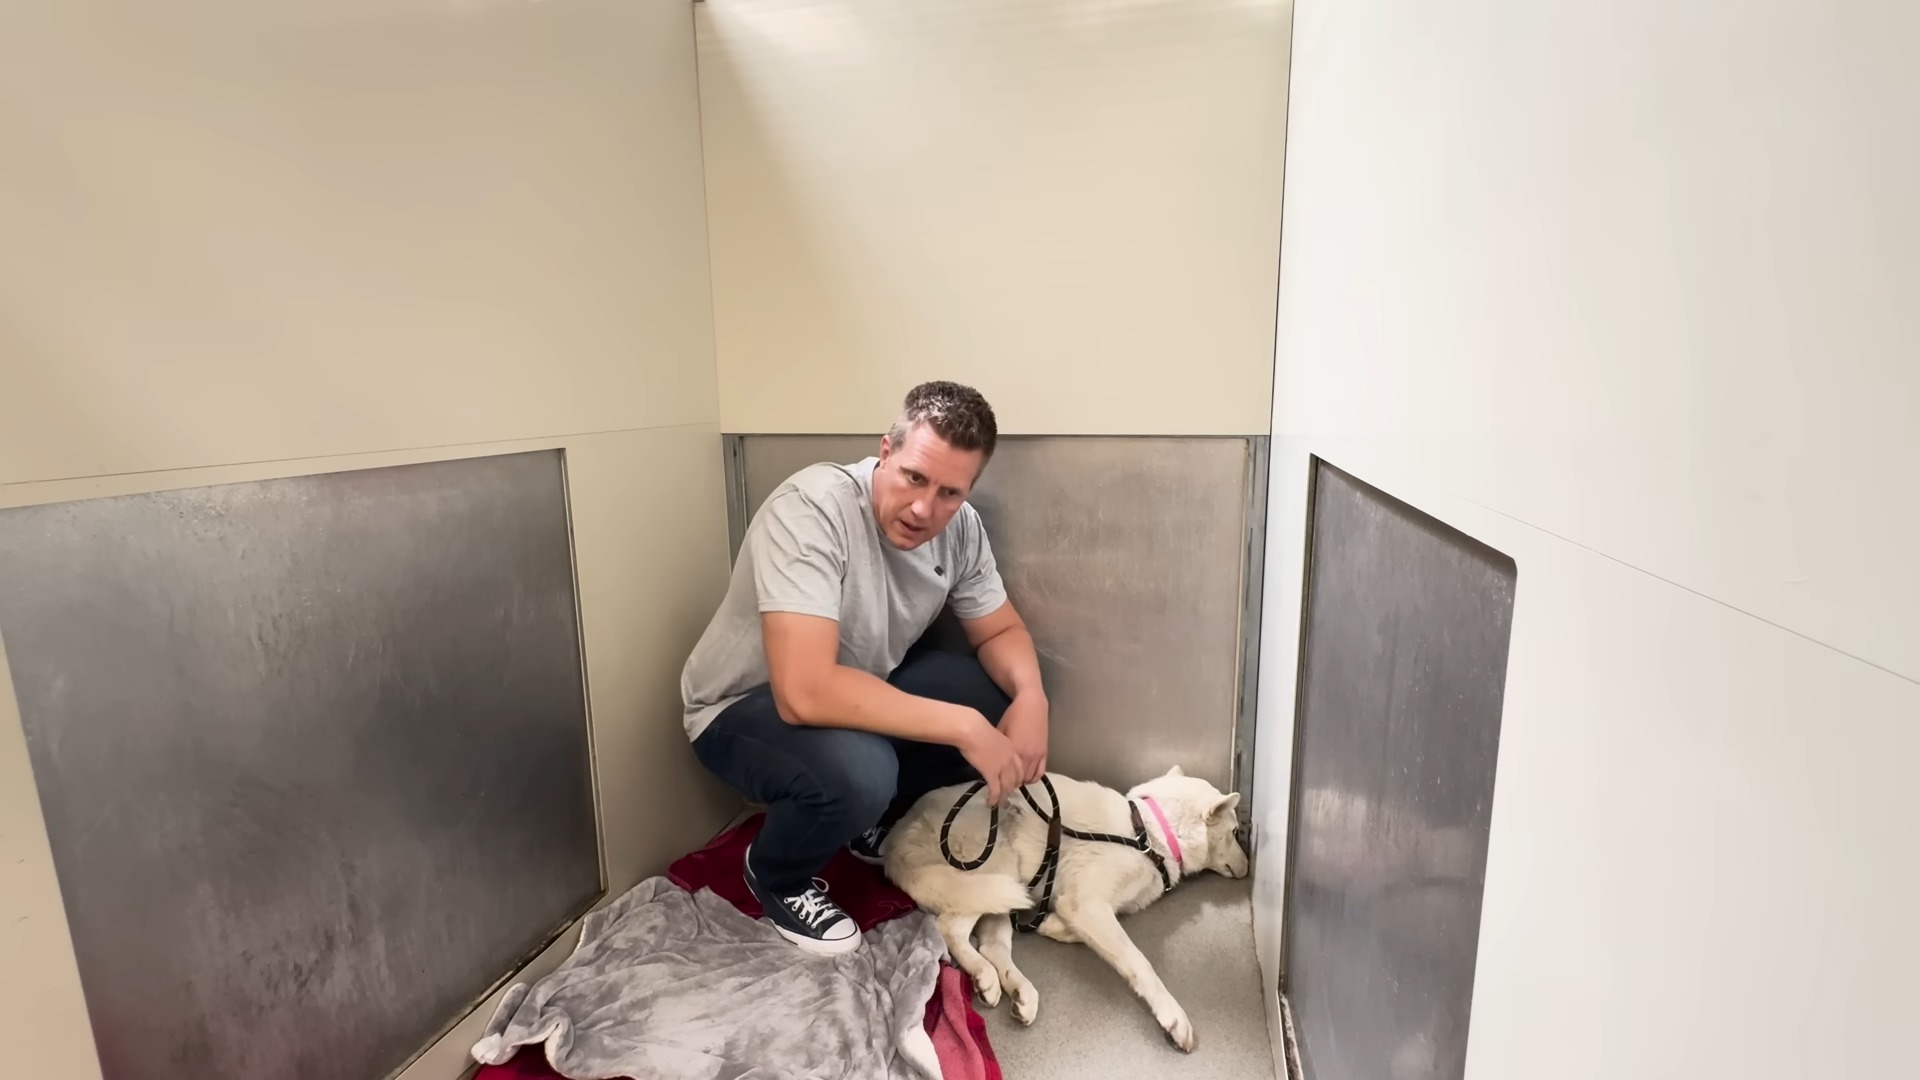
(671, 985)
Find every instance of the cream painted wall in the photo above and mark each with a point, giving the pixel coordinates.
(1072, 204)
(245, 241)
(240, 232)
(1621, 290)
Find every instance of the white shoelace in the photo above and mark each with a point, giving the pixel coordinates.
(813, 907)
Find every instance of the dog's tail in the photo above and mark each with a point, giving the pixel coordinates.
(940, 889)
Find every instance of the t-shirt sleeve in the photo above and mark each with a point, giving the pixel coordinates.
(977, 589)
(800, 559)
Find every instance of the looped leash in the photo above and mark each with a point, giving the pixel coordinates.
(1043, 878)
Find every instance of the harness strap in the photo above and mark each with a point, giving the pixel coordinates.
(1044, 876)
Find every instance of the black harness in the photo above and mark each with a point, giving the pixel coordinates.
(1043, 878)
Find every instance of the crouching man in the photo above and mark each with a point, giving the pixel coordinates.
(806, 692)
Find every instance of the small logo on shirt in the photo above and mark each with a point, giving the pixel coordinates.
(939, 571)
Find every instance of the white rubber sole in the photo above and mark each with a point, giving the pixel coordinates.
(816, 946)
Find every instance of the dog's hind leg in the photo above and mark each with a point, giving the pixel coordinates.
(1099, 926)
(996, 944)
(958, 932)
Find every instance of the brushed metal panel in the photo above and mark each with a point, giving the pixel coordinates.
(313, 756)
(1403, 671)
(1127, 558)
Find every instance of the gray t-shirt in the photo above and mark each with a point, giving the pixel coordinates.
(815, 549)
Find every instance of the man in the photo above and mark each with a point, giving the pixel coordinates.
(805, 693)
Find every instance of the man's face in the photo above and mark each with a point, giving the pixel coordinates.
(919, 485)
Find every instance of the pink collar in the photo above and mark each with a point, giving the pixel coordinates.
(1173, 842)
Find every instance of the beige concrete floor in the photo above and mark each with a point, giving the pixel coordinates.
(1200, 940)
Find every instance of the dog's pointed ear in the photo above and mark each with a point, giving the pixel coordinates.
(1176, 771)
(1226, 803)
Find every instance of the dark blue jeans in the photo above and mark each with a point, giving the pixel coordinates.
(825, 786)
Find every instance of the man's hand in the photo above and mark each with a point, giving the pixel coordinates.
(992, 755)
(1005, 649)
(1025, 726)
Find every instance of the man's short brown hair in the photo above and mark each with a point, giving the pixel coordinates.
(956, 413)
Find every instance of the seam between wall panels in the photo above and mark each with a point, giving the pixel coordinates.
(530, 441)
(1682, 586)
(706, 219)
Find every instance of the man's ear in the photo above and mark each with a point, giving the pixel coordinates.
(1221, 808)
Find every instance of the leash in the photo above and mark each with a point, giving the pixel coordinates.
(1044, 877)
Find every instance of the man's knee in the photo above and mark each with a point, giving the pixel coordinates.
(855, 774)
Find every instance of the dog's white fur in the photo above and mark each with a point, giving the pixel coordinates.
(1095, 884)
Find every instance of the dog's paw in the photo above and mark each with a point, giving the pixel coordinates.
(1179, 1030)
(986, 987)
(1026, 1001)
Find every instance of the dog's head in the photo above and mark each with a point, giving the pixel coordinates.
(1191, 801)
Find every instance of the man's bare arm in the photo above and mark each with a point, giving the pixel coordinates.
(1004, 647)
(811, 688)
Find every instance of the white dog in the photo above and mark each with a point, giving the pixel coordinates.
(1188, 823)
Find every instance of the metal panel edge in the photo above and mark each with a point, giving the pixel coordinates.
(1253, 576)
(733, 450)
(586, 685)
(1313, 463)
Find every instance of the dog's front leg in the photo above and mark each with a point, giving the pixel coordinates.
(1099, 926)
(996, 944)
(957, 930)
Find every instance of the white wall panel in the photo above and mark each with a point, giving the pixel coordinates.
(249, 232)
(1619, 291)
(1639, 274)
(1072, 204)
(251, 240)
(1700, 860)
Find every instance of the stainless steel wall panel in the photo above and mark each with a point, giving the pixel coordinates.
(313, 755)
(1403, 671)
(1128, 558)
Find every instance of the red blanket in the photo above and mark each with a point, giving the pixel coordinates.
(959, 1034)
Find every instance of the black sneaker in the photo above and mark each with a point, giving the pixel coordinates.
(808, 919)
(867, 846)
